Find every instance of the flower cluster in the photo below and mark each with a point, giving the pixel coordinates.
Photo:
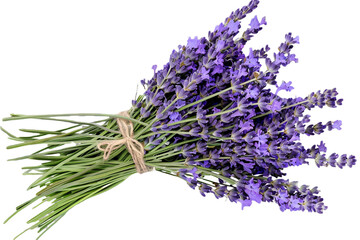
(212, 116)
(210, 109)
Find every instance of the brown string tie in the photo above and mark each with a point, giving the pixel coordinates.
(135, 148)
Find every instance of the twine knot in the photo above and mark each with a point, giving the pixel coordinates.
(135, 148)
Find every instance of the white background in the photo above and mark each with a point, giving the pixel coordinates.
(89, 56)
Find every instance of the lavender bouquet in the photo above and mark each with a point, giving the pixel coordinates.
(207, 117)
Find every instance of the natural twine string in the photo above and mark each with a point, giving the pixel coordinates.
(135, 148)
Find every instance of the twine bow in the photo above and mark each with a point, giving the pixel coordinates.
(135, 148)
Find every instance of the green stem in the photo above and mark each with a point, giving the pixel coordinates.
(270, 112)
(19, 117)
(165, 149)
(222, 112)
(214, 95)
(204, 99)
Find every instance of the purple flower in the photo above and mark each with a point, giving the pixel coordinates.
(220, 191)
(295, 203)
(193, 172)
(154, 68)
(332, 159)
(245, 203)
(252, 190)
(272, 67)
(179, 104)
(291, 40)
(320, 160)
(252, 92)
(217, 69)
(201, 147)
(337, 124)
(260, 137)
(204, 73)
(342, 161)
(144, 113)
(255, 24)
(219, 59)
(174, 117)
(284, 86)
(322, 147)
(193, 43)
(233, 26)
(275, 106)
(180, 93)
(282, 197)
(351, 161)
(252, 61)
(245, 126)
(201, 49)
(233, 195)
(220, 44)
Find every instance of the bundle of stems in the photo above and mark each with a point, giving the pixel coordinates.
(206, 117)
(69, 174)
